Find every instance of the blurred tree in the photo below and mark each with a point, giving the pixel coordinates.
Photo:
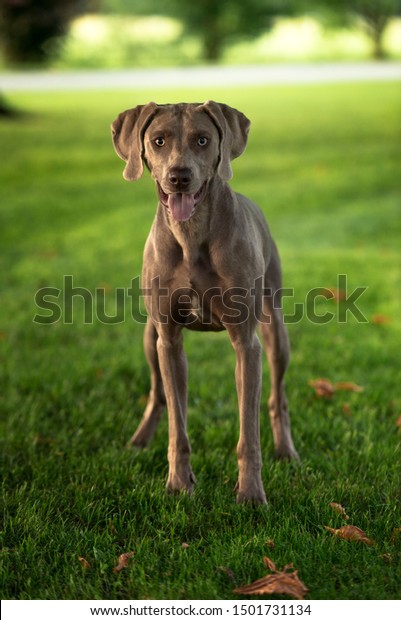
(222, 22)
(30, 29)
(6, 109)
(133, 7)
(217, 22)
(375, 15)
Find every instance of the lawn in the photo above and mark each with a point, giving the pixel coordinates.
(323, 162)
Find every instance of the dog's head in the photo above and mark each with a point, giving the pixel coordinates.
(183, 145)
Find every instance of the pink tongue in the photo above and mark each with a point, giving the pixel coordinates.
(181, 206)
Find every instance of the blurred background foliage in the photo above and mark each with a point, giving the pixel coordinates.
(136, 33)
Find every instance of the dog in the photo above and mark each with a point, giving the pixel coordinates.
(209, 263)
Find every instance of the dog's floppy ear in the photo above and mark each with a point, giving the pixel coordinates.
(233, 128)
(127, 132)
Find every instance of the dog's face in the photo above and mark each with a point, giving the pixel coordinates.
(183, 145)
(181, 150)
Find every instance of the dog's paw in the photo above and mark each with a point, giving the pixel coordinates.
(140, 439)
(251, 494)
(180, 482)
(148, 425)
(286, 453)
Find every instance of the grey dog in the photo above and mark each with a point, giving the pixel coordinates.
(210, 264)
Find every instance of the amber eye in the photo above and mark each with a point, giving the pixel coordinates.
(160, 141)
(202, 141)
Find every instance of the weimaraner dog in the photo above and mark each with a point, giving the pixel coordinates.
(209, 264)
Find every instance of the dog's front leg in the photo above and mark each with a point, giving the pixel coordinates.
(248, 377)
(156, 400)
(173, 367)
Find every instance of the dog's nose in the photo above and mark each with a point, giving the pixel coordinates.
(180, 178)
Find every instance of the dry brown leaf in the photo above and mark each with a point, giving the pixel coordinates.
(42, 440)
(326, 388)
(106, 288)
(348, 386)
(339, 509)
(270, 565)
(336, 294)
(380, 319)
(85, 563)
(352, 533)
(230, 574)
(279, 582)
(323, 387)
(123, 561)
(398, 422)
(396, 535)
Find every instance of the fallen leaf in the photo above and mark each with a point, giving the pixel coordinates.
(269, 564)
(380, 319)
(352, 533)
(326, 388)
(323, 387)
(42, 440)
(336, 294)
(398, 422)
(123, 561)
(348, 386)
(106, 288)
(279, 582)
(346, 409)
(339, 509)
(85, 563)
(230, 574)
(185, 545)
(395, 537)
(48, 254)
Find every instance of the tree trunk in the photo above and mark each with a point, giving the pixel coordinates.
(5, 109)
(212, 44)
(377, 36)
(376, 23)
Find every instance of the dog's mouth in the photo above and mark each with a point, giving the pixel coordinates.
(181, 206)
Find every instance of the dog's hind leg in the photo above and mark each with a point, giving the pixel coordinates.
(277, 348)
(156, 400)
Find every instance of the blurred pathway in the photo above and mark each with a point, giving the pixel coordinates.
(253, 75)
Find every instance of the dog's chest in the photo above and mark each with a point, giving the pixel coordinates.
(201, 272)
(201, 290)
(194, 274)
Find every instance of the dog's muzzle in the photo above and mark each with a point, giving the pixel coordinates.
(181, 205)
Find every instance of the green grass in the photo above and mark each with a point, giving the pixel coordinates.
(323, 163)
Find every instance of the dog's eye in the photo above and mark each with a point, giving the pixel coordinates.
(202, 141)
(160, 141)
